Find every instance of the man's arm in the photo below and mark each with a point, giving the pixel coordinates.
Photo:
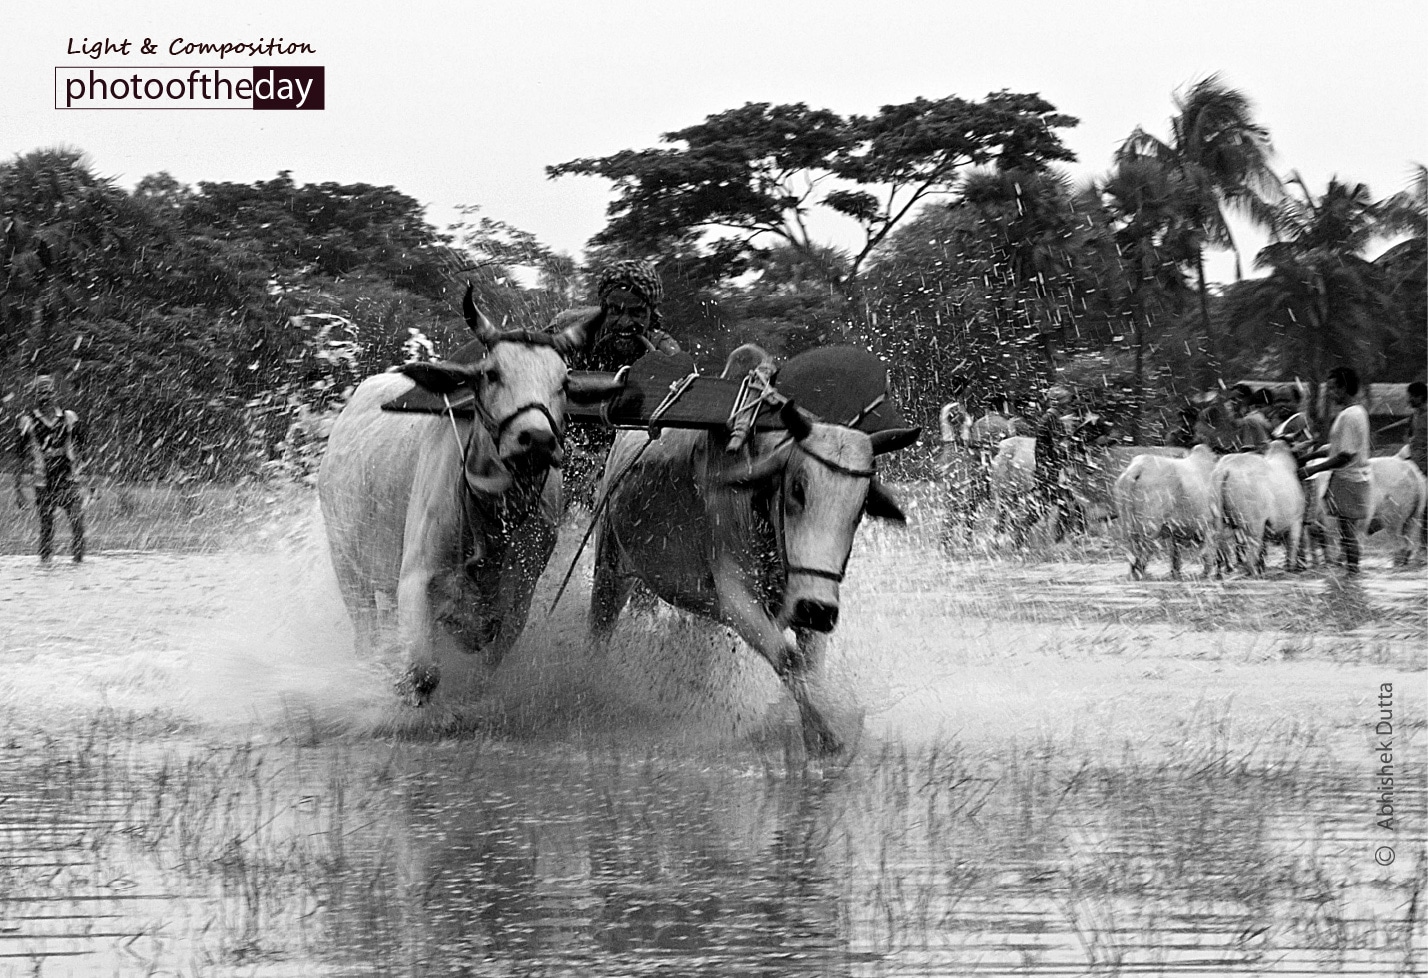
(78, 438)
(22, 459)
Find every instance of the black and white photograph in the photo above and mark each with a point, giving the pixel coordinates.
(869, 490)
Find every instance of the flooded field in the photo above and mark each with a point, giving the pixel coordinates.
(1060, 773)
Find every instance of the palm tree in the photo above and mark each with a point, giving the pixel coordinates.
(1322, 302)
(1406, 265)
(1223, 159)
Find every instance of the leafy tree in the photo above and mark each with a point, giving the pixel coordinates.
(330, 230)
(760, 172)
(65, 237)
(789, 307)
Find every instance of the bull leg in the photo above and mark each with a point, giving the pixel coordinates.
(525, 561)
(362, 601)
(431, 546)
(1139, 556)
(1293, 541)
(741, 611)
(1174, 557)
(802, 680)
(1224, 556)
(610, 590)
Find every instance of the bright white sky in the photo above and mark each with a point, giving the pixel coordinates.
(466, 103)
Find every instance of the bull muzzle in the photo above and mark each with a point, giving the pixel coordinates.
(531, 436)
(814, 615)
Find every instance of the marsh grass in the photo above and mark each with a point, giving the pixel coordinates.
(651, 811)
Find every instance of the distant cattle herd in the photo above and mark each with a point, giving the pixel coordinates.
(1223, 507)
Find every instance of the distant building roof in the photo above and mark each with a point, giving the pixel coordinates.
(1380, 399)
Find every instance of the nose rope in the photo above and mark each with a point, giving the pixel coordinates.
(835, 576)
(509, 419)
(463, 449)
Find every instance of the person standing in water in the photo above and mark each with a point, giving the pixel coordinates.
(49, 446)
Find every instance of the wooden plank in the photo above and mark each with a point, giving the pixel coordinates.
(701, 402)
(704, 402)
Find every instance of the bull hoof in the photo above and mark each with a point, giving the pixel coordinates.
(418, 684)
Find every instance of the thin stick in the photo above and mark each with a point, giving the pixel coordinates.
(600, 505)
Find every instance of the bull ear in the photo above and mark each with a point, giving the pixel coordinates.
(894, 439)
(440, 378)
(881, 504)
(476, 319)
(575, 336)
(591, 387)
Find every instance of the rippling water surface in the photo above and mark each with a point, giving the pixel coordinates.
(1060, 774)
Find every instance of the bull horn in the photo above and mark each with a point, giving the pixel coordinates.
(758, 471)
(584, 387)
(892, 439)
(476, 319)
(794, 421)
(574, 336)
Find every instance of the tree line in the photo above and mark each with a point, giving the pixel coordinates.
(193, 325)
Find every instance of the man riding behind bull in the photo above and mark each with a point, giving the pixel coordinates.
(630, 293)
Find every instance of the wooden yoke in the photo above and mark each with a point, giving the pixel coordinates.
(666, 391)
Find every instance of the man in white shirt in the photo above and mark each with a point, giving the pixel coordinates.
(1346, 457)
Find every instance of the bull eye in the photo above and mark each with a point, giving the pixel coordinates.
(492, 375)
(798, 492)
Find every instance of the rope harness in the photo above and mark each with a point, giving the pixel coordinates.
(514, 505)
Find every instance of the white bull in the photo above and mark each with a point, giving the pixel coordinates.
(1260, 497)
(1171, 498)
(450, 519)
(1396, 504)
(757, 540)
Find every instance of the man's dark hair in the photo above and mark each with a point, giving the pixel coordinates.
(1418, 389)
(1347, 378)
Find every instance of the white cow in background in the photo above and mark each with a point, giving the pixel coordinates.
(1396, 504)
(1170, 498)
(1260, 497)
